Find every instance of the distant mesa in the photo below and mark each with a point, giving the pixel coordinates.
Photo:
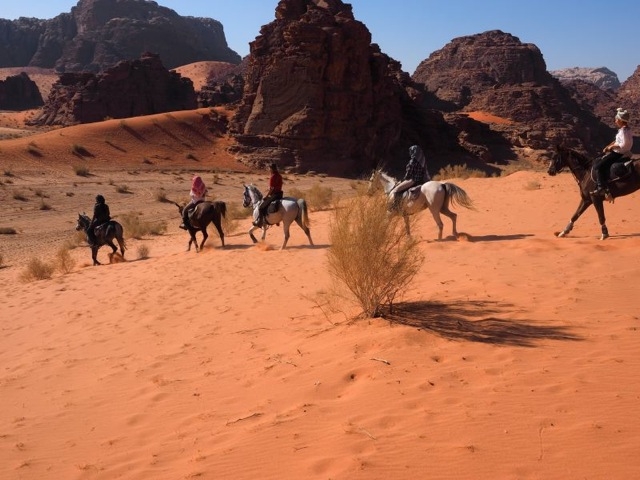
(601, 77)
(97, 34)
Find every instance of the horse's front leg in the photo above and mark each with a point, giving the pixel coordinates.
(253, 238)
(94, 256)
(584, 204)
(192, 239)
(285, 228)
(599, 206)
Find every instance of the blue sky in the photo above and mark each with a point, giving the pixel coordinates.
(569, 33)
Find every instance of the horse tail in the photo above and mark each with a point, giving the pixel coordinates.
(221, 207)
(119, 231)
(458, 196)
(304, 212)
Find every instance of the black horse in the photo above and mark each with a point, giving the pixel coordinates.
(104, 235)
(624, 179)
(200, 217)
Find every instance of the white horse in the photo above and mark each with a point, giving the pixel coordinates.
(289, 209)
(436, 196)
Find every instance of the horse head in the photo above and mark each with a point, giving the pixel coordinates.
(83, 222)
(251, 195)
(567, 157)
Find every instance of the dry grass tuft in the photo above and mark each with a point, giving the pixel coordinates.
(235, 213)
(143, 252)
(37, 269)
(458, 171)
(64, 262)
(136, 228)
(371, 256)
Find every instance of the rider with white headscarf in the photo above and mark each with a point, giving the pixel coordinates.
(416, 173)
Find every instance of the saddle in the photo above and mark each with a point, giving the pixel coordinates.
(273, 207)
(191, 212)
(621, 170)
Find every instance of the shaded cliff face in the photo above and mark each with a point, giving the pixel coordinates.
(128, 89)
(494, 72)
(97, 34)
(319, 96)
(19, 92)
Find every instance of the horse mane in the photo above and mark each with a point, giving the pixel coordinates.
(582, 159)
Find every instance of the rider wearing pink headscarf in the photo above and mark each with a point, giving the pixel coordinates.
(197, 194)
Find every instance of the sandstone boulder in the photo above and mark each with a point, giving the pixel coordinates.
(19, 92)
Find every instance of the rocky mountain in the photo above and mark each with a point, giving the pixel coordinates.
(19, 92)
(97, 34)
(628, 96)
(495, 73)
(129, 89)
(601, 77)
(319, 95)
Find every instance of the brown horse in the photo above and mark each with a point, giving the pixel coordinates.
(104, 235)
(200, 217)
(624, 179)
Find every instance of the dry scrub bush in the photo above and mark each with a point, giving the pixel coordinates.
(143, 252)
(317, 197)
(136, 228)
(64, 262)
(235, 213)
(36, 269)
(458, 171)
(371, 256)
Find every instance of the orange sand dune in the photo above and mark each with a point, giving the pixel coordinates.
(514, 354)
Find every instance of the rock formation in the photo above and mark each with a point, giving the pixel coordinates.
(19, 92)
(601, 77)
(495, 73)
(319, 96)
(128, 89)
(97, 34)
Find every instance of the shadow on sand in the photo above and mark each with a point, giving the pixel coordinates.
(453, 322)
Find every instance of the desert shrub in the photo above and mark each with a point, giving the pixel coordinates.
(122, 189)
(458, 171)
(533, 185)
(235, 213)
(371, 256)
(20, 197)
(161, 195)
(79, 150)
(7, 231)
(81, 171)
(36, 269)
(143, 252)
(317, 197)
(64, 262)
(191, 156)
(44, 205)
(134, 227)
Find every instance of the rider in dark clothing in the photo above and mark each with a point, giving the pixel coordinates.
(275, 193)
(416, 174)
(101, 215)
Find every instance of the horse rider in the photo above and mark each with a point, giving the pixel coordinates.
(197, 195)
(274, 193)
(619, 148)
(101, 215)
(415, 174)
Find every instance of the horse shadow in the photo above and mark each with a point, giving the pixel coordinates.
(453, 323)
(492, 238)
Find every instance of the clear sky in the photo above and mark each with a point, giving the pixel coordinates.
(569, 33)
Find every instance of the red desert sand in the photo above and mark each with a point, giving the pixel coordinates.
(512, 355)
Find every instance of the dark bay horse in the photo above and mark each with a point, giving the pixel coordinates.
(105, 234)
(582, 169)
(200, 217)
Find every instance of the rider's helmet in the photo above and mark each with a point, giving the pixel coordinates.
(99, 199)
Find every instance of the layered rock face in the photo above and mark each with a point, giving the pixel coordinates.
(99, 33)
(601, 77)
(319, 96)
(129, 89)
(494, 72)
(19, 92)
(628, 96)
